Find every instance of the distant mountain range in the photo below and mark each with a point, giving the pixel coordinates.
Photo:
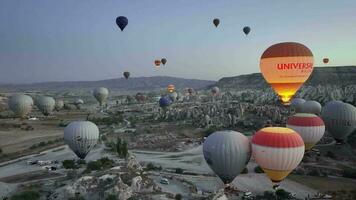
(340, 75)
(121, 84)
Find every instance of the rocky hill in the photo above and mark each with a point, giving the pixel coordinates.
(340, 75)
(121, 84)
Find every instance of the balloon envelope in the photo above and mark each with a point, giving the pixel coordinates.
(216, 22)
(170, 88)
(309, 126)
(59, 104)
(163, 61)
(246, 30)
(122, 22)
(164, 101)
(101, 94)
(340, 119)
(215, 91)
(326, 60)
(286, 66)
(313, 107)
(278, 151)
(227, 154)
(157, 63)
(21, 105)
(297, 104)
(81, 137)
(126, 74)
(46, 105)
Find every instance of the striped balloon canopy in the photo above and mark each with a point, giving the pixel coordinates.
(309, 126)
(170, 88)
(278, 151)
(286, 66)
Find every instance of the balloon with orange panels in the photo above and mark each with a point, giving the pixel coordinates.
(286, 66)
(170, 88)
(158, 63)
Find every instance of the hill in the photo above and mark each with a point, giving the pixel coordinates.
(121, 84)
(340, 75)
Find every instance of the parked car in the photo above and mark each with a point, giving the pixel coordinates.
(164, 181)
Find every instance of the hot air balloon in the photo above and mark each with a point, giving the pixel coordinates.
(297, 104)
(278, 151)
(326, 60)
(313, 107)
(340, 119)
(164, 101)
(140, 97)
(21, 105)
(170, 88)
(81, 137)
(286, 66)
(46, 105)
(191, 91)
(59, 104)
(309, 126)
(126, 74)
(122, 22)
(163, 61)
(216, 22)
(101, 94)
(215, 91)
(246, 30)
(157, 63)
(227, 154)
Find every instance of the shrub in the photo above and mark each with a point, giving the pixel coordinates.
(93, 165)
(179, 171)
(77, 197)
(258, 170)
(349, 173)
(0, 150)
(69, 164)
(245, 171)
(111, 197)
(178, 197)
(331, 154)
(26, 195)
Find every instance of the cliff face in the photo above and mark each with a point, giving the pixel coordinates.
(338, 76)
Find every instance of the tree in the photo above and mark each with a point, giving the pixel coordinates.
(69, 164)
(178, 197)
(26, 195)
(124, 150)
(118, 146)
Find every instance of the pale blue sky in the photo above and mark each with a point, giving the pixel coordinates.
(51, 40)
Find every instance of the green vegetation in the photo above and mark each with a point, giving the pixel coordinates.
(152, 167)
(69, 164)
(0, 150)
(178, 197)
(101, 164)
(77, 197)
(349, 173)
(26, 195)
(258, 170)
(111, 197)
(331, 154)
(112, 119)
(280, 194)
(121, 148)
(43, 143)
(244, 171)
(179, 171)
(210, 130)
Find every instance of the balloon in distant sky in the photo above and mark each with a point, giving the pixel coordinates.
(140, 97)
(122, 22)
(278, 151)
(81, 137)
(326, 60)
(340, 119)
(21, 105)
(126, 74)
(246, 30)
(101, 94)
(157, 63)
(170, 88)
(313, 107)
(163, 61)
(215, 91)
(286, 66)
(309, 126)
(191, 91)
(297, 104)
(46, 105)
(227, 154)
(216, 22)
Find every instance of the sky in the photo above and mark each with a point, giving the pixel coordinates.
(75, 40)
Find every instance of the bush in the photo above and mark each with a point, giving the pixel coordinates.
(81, 162)
(179, 171)
(93, 165)
(69, 164)
(151, 166)
(210, 130)
(77, 197)
(331, 154)
(349, 173)
(42, 144)
(111, 197)
(103, 163)
(245, 171)
(258, 170)
(26, 195)
(0, 150)
(178, 197)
